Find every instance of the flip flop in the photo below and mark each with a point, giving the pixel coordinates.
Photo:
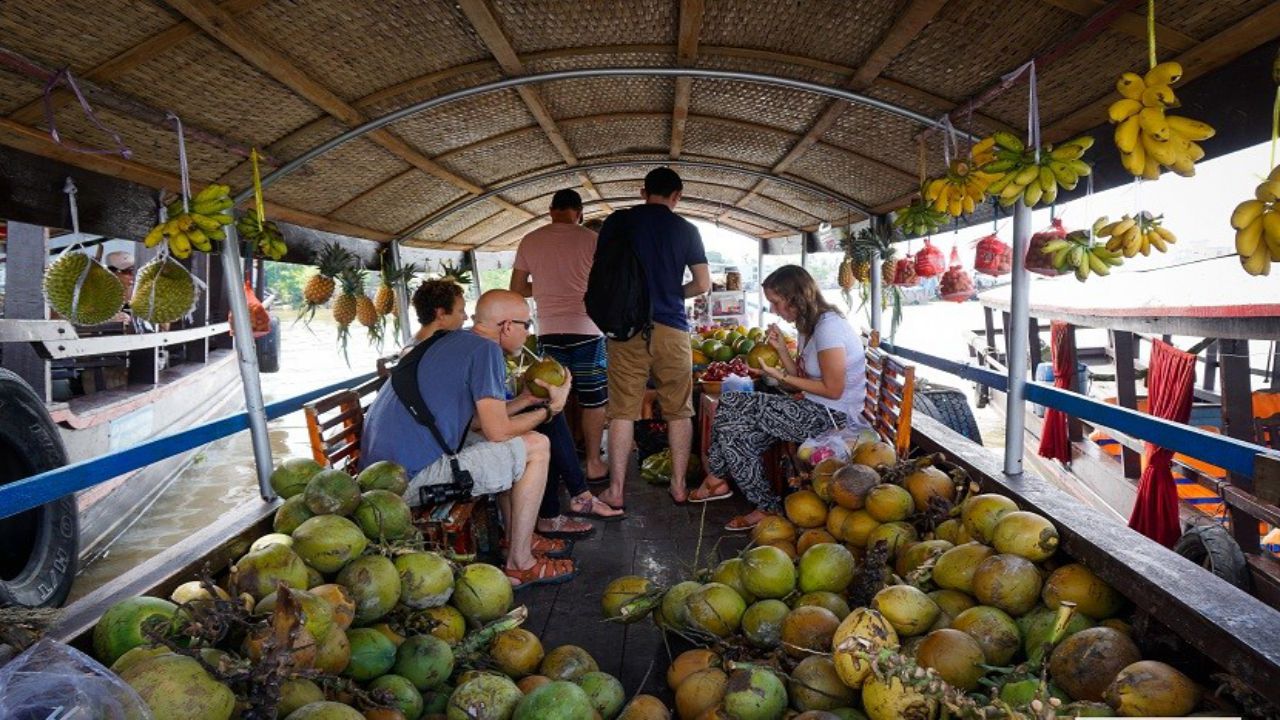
(544, 571)
(592, 515)
(725, 495)
(730, 527)
(543, 546)
(559, 522)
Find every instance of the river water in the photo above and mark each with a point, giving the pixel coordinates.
(221, 476)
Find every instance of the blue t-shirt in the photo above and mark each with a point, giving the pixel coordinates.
(666, 244)
(459, 369)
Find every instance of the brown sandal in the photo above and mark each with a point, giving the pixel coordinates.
(544, 571)
(595, 508)
(543, 545)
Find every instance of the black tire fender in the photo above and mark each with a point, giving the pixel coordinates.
(1211, 547)
(42, 544)
(948, 406)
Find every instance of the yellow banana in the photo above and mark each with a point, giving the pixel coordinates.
(1063, 174)
(1271, 226)
(1098, 265)
(1135, 162)
(1123, 109)
(1166, 234)
(1184, 166)
(1275, 173)
(1153, 238)
(1127, 134)
(1011, 191)
(1084, 142)
(1153, 123)
(1166, 73)
(1066, 153)
(1131, 85)
(1047, 180)
(1249, 237)
(1008, 141)
(1273, 249)
(180, 245)
(1050, 195)
(154, 237)
(1121, 227)
(1032, 194)
(1194, 151)
(1159, 96)
(1257, 263)
(1109, 228)
(1027, 174)
(1246, 212)
(1268, 191)
(1164, 153)
(1190, 129)
(1151, 170)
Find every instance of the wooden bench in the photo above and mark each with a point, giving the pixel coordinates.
(890, 390)
(461, 530)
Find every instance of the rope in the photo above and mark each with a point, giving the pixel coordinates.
(64, 76)
(1033, 103)
(182, 162)
(1151, 32)
(257, 189)
(1275, 124)
(70, 189)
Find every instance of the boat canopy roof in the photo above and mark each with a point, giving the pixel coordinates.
(725, 90)
(1201, 298)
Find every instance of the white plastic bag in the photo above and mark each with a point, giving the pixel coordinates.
(53, 680)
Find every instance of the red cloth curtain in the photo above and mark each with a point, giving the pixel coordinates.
(1054, 443)
(1169, 385)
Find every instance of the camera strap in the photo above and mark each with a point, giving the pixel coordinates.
(404, 382)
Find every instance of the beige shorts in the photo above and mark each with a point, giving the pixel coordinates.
(494, 467)
(667, 358)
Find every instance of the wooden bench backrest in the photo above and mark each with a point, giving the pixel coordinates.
(890, 388)
(335, 422)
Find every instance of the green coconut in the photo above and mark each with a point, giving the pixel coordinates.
(317, 613)
(715, 608)
(605, 693)
(404, 696)
(762, 623)
(291, 514)
(136, 655)
(334, 652)
(328, 542)
(907, 608)
(1009, 582)
(555, 701)
(384, 475)
(808, 629)
(517, 652)
(325, 710)
(826, 566)
(101, 294)
(372, 654)
(822, 598)
(296, 693)
(177, 686)
(729, 572)
(895, 535)
(383, 515)
(271, 539)
(374, 585)
(994, 630)
(425, 660)
(123, 626)
(1037, 629)
(768, 572)
(621, 591)
(754, 693)
(290, 477)
(567, 662)
(482, 593)
(332, 492)
(673, 612)
(484, 697)
(259, 572)
(815, 685)
(426, 579)
(981, 513)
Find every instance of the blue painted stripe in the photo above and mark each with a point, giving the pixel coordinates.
(1234, 455)
(39, 489)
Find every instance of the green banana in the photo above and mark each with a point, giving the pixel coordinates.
(1008, 141)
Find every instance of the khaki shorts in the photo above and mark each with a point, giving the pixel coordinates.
(667, 358)
(494, 467)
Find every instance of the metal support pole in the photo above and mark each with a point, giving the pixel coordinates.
(1019, 327)
(402, 296)
(876, 292)
(247, 353)
(760, 246)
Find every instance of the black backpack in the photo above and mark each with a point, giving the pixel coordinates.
(617, 298)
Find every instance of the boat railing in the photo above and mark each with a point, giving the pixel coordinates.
(32, 492)
(58, 339)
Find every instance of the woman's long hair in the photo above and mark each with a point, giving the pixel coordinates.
(795, 285)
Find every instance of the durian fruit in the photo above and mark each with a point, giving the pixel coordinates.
(164, 292)
(101, 294)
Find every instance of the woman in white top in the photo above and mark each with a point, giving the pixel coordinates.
(830, 373)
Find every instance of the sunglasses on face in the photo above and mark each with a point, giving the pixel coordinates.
(526, 324)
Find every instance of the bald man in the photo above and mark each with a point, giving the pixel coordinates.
(462, 380)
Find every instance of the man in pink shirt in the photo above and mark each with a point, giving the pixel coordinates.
(558, 256)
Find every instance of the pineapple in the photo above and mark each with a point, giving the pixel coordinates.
(332, 261)
(846, 273)
(455, 273)
(346, 305)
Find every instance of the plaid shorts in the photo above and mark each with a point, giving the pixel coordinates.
(584, 356)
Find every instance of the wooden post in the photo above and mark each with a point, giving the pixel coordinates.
(27, 250)
(218, 306)
(1004, 327)
(1033, 346)
(1274, 380)
(989, 320)
(1210, 365)
(1075, 429)
(1127, 392)
(197, 351)
(1237, 422)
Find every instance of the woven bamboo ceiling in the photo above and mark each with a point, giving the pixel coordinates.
(286, 75)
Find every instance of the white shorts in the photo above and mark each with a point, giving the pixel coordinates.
(494, 467)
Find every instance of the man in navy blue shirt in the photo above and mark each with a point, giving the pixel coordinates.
(666, 245)
(462, 378)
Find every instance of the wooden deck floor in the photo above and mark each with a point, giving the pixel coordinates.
(657, 540)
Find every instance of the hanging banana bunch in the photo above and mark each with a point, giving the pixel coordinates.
(1257, 225)
(1078, 253)
(1137, 234)
(1019, 175)
(197, 226)
(1146, 135)
(958, 191)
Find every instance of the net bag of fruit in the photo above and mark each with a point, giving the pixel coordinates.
(904, 272)
(993, 256)
(929, 261)
(955, 285)
(1037, 261)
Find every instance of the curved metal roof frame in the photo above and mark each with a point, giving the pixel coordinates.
(514, 82)
(798, 185)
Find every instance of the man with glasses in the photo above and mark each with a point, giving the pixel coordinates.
(461, 378)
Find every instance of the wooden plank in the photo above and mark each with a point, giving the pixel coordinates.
(1219, 620)
(26, 255)
(1237, 422)
(1133, 24)
(690, 28)
(1127, 393)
